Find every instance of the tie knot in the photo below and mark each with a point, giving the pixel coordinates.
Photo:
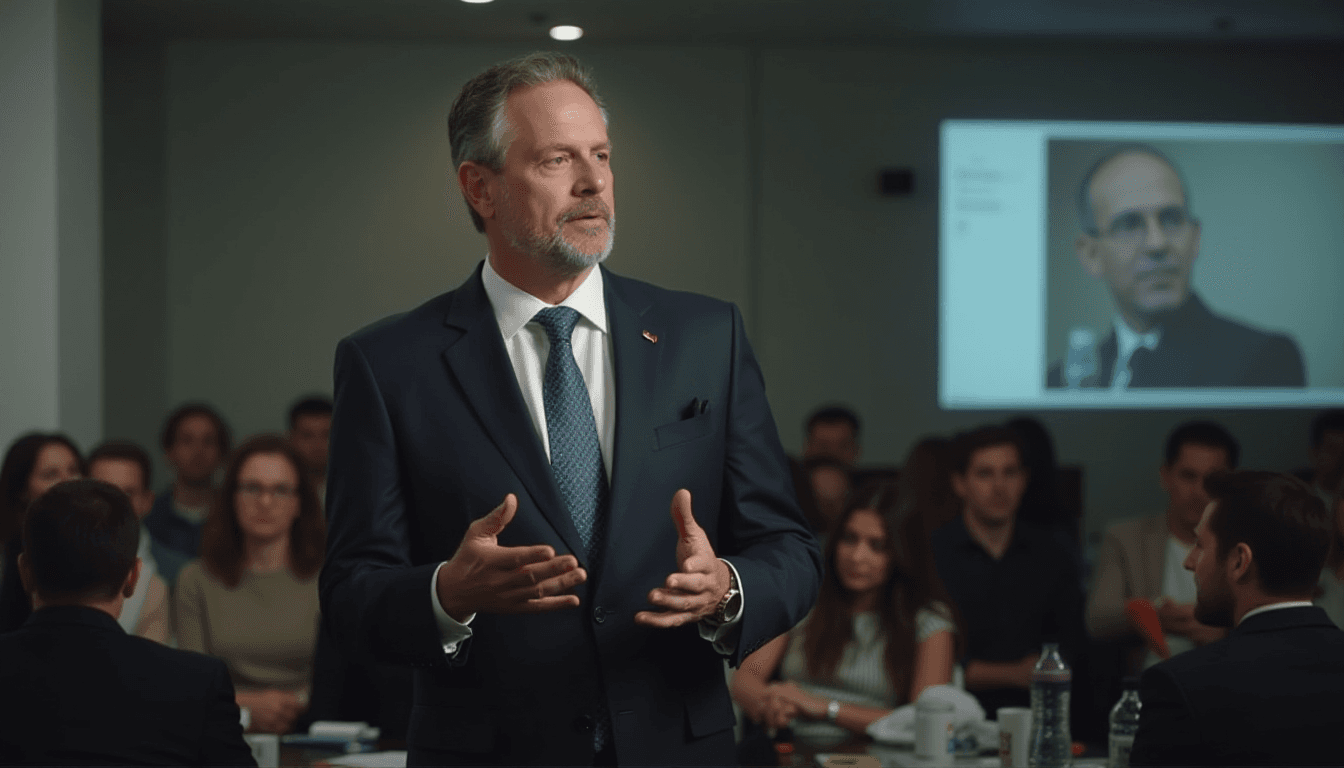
(559, 323)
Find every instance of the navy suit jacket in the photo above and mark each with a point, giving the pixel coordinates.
(1201, 349)
(430, 432)
(75, 689)
(1270, 693)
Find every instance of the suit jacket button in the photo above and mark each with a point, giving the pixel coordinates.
(584, 724)
(599, 614)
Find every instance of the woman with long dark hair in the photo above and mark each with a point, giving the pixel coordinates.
(882, 631)
(251, 598)
(33, 463)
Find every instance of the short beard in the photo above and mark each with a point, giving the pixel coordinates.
(555, 252)
(1214, 607)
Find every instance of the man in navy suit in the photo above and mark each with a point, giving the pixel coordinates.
(641, 523)
(75, 689)
(1141, 240)
(1268, 693)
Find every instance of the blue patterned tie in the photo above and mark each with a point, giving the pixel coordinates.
(576, 454)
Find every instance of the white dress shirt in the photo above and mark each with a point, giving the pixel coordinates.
(1127, 342)
(1275, 607)
(528, 348)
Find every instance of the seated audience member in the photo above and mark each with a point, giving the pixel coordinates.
(252, 597)
(807, 498)
(833, 432)
(1016, 585)
(33, 463)
(1041, 503)
(1327, 454)
(831, 483)
(1143, 558)
(310, 434)
(126, 465)
(1269, 693)
(195, 442)
(78, 690)
(881, 632)
(926, 482)
(1331, 597)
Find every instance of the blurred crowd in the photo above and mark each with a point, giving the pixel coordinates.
(951, 569)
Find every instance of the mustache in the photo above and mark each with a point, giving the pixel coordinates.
(587, 208)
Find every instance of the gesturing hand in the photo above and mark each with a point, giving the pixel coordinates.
(273, 711)
(701, 580)
(484, 577)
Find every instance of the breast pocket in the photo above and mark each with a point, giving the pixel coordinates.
(679, 432)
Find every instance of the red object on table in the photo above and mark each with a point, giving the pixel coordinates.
(1143, 616)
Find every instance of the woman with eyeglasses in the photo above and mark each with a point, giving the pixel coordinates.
(32, 464)
(251, 598)
(882, 631)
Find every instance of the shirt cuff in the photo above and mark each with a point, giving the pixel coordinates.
(723, 636)
(452, 633)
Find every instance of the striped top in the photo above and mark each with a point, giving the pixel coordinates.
(861, 676)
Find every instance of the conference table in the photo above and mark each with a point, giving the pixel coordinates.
(833, 755)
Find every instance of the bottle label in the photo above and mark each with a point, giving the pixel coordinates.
(1120, 748)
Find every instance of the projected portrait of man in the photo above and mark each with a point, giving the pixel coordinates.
(1141, 239)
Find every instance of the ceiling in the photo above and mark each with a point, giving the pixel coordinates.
(730, 22)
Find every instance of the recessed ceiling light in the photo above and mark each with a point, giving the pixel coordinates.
(477, 1)
(566, 32)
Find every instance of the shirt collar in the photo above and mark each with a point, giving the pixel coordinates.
(1128, 340)
(1275, 607)
(515, 308)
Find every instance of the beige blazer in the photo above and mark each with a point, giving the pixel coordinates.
(1131, 563)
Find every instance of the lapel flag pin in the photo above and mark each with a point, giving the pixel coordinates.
(653, 338)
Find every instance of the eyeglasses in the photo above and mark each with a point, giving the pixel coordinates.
(281, 492)
(1131, 227)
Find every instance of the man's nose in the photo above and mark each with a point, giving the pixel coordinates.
(591, 178)
(1154, 236)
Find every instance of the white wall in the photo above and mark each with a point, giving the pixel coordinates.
(50, 238)
(306, 195)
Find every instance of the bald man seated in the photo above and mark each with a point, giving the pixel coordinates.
(1140, 239)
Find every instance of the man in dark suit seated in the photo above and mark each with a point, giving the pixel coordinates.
(1269, 693)
(1141, 240)
(75, 689)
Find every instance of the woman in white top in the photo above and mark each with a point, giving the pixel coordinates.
(882, 631)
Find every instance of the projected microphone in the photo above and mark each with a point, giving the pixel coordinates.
(1080, 361)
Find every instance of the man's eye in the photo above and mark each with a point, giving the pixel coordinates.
(1171, 218)
(603, 156)
(1129, 222)
(558, 160)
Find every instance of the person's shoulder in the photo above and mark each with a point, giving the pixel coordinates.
(1237, 332)
(1135, 527)
(641, 296)
(193, 576)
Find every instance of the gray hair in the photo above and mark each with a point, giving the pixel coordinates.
(1087, 217)
(477, 121)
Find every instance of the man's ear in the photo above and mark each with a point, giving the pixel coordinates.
(959, 485)
(474, 181)
(1240, 564)
(132, 578)
(1086, 248)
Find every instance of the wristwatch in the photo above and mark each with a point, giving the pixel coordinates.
(730, 601)
(833, 710)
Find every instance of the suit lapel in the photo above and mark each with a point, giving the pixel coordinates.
(636, 362)
(480, 366)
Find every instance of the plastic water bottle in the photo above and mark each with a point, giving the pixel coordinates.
(1124, 724)
(1051, 680)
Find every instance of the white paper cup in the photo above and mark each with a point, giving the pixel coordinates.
(1014, 736)
(934, 732)
(265, 749)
